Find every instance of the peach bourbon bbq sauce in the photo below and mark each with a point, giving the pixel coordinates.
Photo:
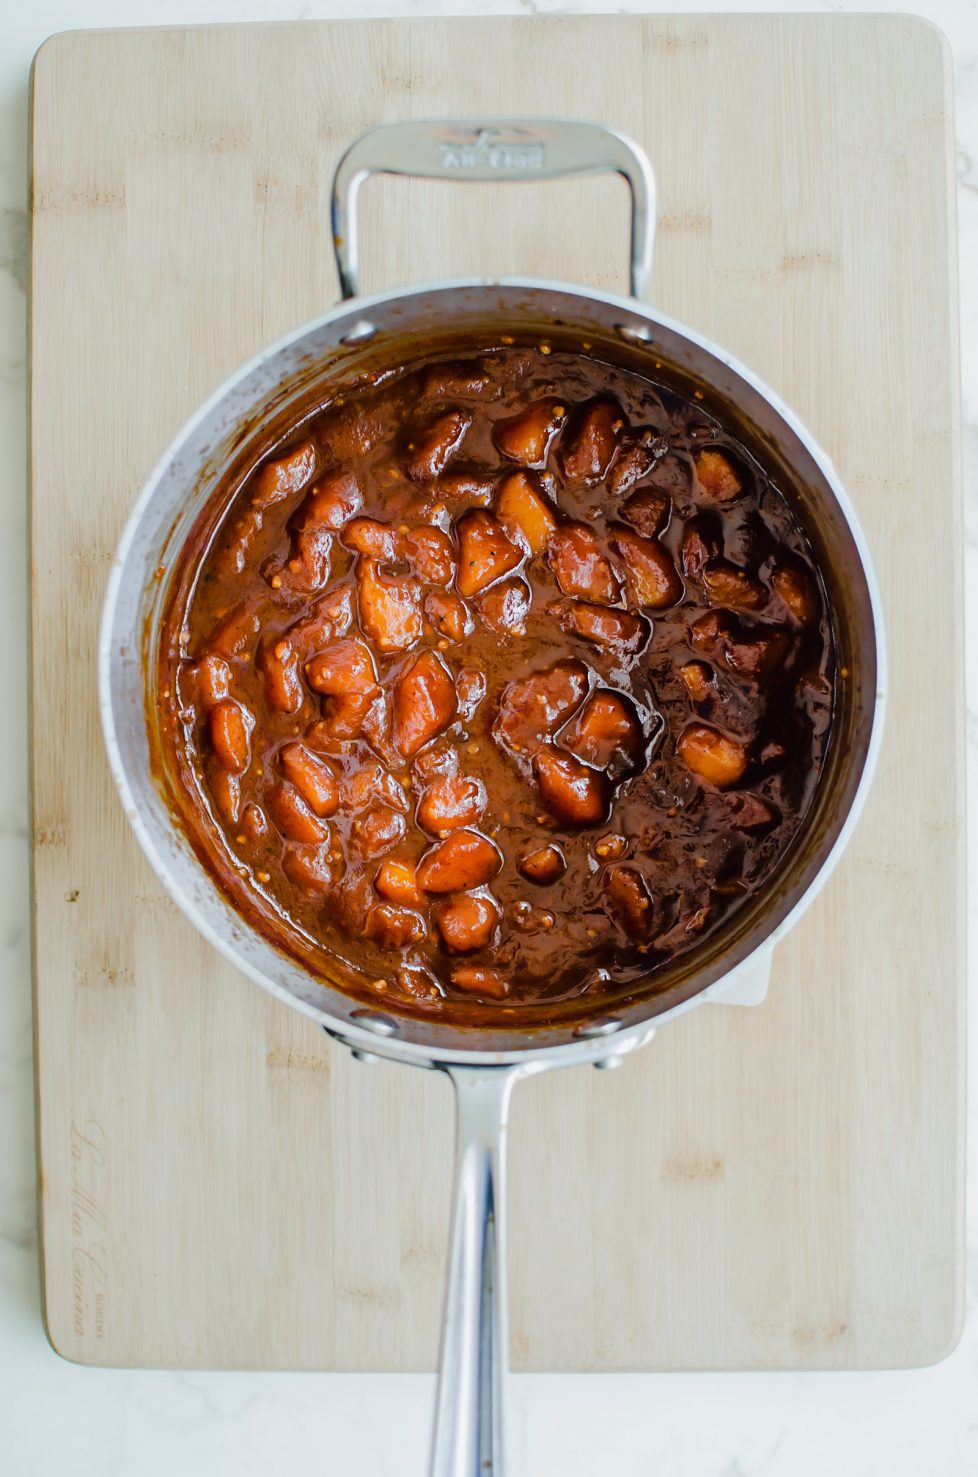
(508, 679)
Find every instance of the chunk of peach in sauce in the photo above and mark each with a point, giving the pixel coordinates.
(211, 679)
(439, 758)
(350, 901)
(505, 607)
(430, 553)
(449, 615)
(368, 782)
(617, 631)
(606, 733)
(345, 674)
(698, 680)
(718, 475)
(532, 708)
(230, 726)
(470, 688)
(631, 898)
(543, 865)
(467, 488)
(329, 618)
(431, 449)
(236, 636)
(350, 433)
(634, 462)
(284, 476)
(611, 846)
(308, 868)
(466, 923)
(480, 981)
(574, 794)
(225, 788)
(451, 800)
(463, 860)
(307, 568)
(237, 542)
(580, 565)
(525, 513)
(417, 983)
(652, 577)
(334, 500)
(377, 830)
(253, 823)
(372, 539)
(464, 379)
(346, 666)
(648, 511)
(377, 728)
(697, 548)
(588, 447)
(526, 438)
(388, 606)
(344, 718)
(734, 588)
(398, 883)
(393, 927)
(424, 703)
(709, 630)
(711, 755)
(797, 591)
(292, 816)
(485, 553)
(311, 776)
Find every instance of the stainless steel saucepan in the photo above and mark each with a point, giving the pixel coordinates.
(484, 1064)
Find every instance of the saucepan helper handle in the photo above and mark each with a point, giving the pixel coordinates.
(493, 149)
(468, 1432)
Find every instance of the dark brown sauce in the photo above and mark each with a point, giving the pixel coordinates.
(653, 640)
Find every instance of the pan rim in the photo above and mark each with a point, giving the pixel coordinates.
(655, 1010)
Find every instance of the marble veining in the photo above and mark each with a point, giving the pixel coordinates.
(57, 1417)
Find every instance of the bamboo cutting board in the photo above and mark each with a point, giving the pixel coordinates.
(771, 1187)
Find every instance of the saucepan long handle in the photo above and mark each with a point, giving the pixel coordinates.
(468, 1434)
(493, 149)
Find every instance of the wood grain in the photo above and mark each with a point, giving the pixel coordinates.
(778, 1187)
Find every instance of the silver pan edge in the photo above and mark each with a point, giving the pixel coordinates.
(186, 476)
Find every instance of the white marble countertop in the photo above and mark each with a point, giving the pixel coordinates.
(94, 1423)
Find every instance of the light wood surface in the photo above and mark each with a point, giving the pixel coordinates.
(772, 1187)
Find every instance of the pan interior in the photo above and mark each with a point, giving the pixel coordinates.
(265, 402)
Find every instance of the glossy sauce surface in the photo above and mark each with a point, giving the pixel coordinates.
(506, 681)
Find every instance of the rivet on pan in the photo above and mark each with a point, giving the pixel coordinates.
(372, 1020)
(598, 1028)
(608, 1063)
(635, 333)
(360, 332)
(367, 1057)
